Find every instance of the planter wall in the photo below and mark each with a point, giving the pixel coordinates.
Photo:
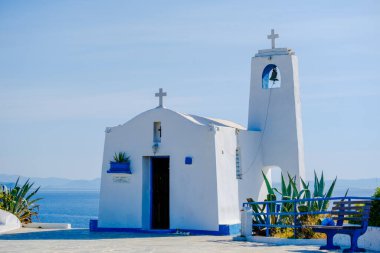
(8, 222)
(370, 240)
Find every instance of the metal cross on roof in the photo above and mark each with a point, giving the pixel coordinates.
(161, 94)
(273, 37)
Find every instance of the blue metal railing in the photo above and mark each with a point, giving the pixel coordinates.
(279, 205)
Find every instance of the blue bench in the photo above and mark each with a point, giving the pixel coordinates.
(355, 211)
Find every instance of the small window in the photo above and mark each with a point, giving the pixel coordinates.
(157, 131)
(239, 173)
(271, 77)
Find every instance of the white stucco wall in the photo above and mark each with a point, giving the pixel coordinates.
(193, 188)
(281, 122)
(252, 183)
(228, 194)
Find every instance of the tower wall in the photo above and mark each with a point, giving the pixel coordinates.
(276, 112)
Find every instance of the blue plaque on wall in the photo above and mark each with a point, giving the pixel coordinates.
(188, 160)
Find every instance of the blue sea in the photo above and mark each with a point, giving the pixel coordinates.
(75, 207)
(78, 207)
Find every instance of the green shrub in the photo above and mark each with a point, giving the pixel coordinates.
(374, 217)
(304, 232)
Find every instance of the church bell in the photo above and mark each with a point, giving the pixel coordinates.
(273, 77)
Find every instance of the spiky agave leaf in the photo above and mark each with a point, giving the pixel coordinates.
(33, 193)
(283, 186)
(307, 194)
(272, 207)
(267, 183)
(329, 194)
(321, 185)
(320, 192)
(345, 195)
(304, 185)
(276, 190)
(292, 183)
(289, 189)
(316, 185)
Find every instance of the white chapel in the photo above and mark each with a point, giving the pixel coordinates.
(192, 173)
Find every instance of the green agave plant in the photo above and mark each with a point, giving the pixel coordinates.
(19, 200)
(121, 157)
(319, 192)
(289, 191)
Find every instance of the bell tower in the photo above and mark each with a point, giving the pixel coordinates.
(275, 108)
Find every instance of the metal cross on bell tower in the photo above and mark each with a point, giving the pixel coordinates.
(161, 94)
(273, 37)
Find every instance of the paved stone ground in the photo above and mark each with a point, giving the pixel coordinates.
(81, 240)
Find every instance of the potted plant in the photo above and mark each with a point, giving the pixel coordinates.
(121, 164)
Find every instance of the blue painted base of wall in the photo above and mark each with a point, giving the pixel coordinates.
(232, 229)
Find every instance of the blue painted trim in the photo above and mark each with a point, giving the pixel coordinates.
(232, 229)
(151, 192)
(118, 172)
(116, 167)
(93, 225)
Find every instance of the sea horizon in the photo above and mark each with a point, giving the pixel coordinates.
(77, 207)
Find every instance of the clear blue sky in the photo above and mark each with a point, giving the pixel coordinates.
(69, 68)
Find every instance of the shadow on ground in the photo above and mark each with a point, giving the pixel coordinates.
(75, 234)
(311, 251)
(242, 243)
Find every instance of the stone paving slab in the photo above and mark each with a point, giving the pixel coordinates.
(81, 240)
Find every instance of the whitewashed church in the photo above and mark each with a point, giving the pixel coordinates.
(192, 173)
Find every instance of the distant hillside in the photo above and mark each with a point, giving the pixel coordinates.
(370, 183)
(357, 187)
(53, 183)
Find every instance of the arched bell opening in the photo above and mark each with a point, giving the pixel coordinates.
(271, 77)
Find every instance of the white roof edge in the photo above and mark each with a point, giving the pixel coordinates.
(199, 120)
(211, 121)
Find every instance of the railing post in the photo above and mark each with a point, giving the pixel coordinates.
(267, 222)
(246, 221)
(294, 219)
